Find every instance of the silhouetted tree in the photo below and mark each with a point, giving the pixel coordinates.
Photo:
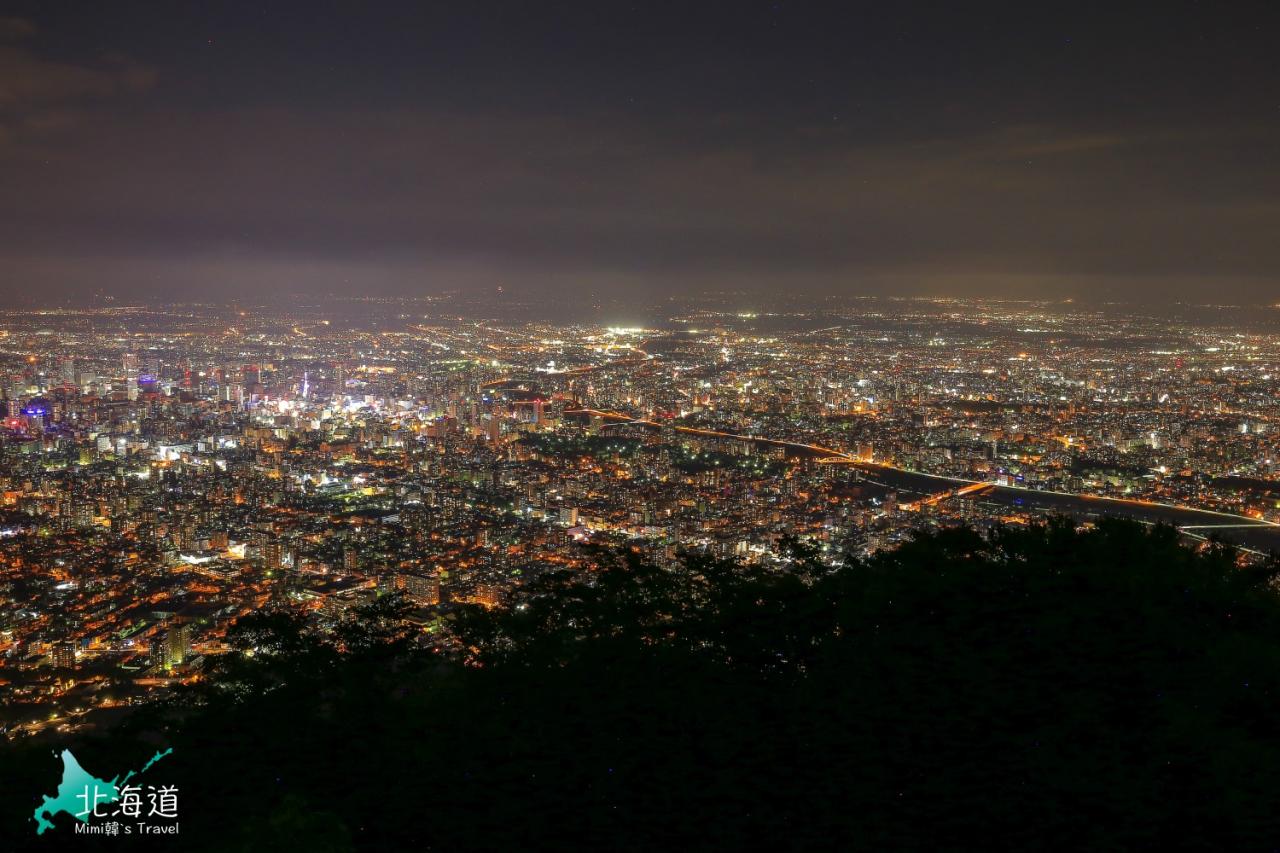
(1039, 687)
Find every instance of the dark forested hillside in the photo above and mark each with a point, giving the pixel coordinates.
(1107, 688)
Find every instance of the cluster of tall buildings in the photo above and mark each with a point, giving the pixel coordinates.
(160, 478)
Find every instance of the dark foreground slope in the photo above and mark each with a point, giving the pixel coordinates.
(1107, 689)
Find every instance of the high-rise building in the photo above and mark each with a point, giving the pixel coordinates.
(487, 595)
(129, 364)
(39, 412)
(177, 643)
(252, 379)
(67, 370)
(273, 554)
(185, 538)
(64, 655)
(82, 514)
(157, 650)
(419, 589)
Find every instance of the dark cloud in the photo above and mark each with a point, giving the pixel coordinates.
(365, 153)
(396, 195)
(26, 80)
(15, 29)
(39, 96)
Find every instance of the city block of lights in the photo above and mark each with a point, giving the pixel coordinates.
(165, 472)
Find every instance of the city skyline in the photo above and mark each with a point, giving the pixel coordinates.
(703, 425)
(200, 461)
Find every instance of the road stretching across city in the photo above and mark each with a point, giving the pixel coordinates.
(1250, 534)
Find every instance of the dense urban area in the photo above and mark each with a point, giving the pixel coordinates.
(165, 472)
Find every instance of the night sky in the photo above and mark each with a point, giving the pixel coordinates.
(207, 150)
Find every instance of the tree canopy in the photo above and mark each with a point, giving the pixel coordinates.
(1045, 686)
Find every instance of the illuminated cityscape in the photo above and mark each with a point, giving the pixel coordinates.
(166, 473)
(718, 425)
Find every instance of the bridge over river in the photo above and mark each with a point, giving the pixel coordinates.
(1248, 533)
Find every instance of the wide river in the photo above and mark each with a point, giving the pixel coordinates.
(1254, 535)
(1249, 533)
